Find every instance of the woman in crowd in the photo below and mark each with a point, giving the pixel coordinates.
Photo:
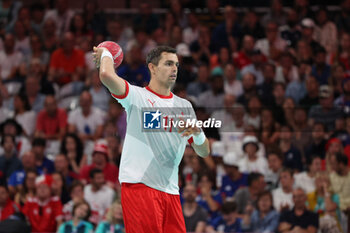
(79, 223)
(114, 220)
(73, 148)
(264, 218)
(28, 189)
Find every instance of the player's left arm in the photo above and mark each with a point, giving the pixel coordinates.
(200, 143)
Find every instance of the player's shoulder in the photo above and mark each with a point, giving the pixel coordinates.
(182, 101)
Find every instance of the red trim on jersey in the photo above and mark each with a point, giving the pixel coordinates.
(159, 95)
(190, 140)
(126, 92)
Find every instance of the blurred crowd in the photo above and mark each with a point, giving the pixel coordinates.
(278, 80)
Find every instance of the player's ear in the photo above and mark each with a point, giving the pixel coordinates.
(151, 68)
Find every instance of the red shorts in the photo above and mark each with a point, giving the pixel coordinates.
(151, 211)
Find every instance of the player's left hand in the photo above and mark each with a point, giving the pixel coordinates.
(187, 131)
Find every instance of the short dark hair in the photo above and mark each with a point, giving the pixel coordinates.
(39, 142)
(229, 207)
(93, 172)
(341, 158)
(155, 54)
(253, 177)
(8, 136)
(75, 183)
(287, 170)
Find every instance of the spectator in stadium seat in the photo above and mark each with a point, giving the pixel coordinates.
(191, 33)
(272, 176)
(242, 58)
(292, 156)
(134, 71)
(299, 219)
(23, 113)
(208, 198)
(76, 191)
(233, 179)
(72, 147)
(291, 31)
(282, 196)
(248, 195)
(95, 18)
(114, 220)
(50, 38)
(312, 97)
(32, 88)
(306, 179)
(67, 63)
(195, 216)
(251, 25)
(249, 88)
(287, 72)
(226, 31)
(17, 178)
(59, 187)
(97, 194)
(251, 161)
(326, 32)
(273, 44)
(117, 114)
(201, 49)
(307, 33)
(264, 218)
(86, 121)
(9, 162)
(10, 60)
(51, 121)
(62, 166)
(27, 190)
(229, 220)
(214, 97)
(320, 69)
(232, 86)
(100, 161)
(275, 14)
(43, 211)
(7, 206)
(256, 67)
(100, 95)
(201, 84)
(11, 127)
(62, 15)
(146, 18)
(340, 181)
(326, 112)
(79, 223)
(323, 200)
(42, 162)
(343, 101)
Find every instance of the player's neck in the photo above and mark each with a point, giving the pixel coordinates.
(159, 89)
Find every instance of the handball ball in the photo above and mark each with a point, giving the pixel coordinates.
(115, 50)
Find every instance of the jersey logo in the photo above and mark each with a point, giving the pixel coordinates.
(152, 119)
(151, 102)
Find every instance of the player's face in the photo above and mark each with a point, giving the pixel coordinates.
(166, 71)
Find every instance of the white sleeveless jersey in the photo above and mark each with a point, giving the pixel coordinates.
(151, 153)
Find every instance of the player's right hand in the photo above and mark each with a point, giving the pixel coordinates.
(97, 55)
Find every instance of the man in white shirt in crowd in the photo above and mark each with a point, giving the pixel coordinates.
(283, 196)
(97, 194)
